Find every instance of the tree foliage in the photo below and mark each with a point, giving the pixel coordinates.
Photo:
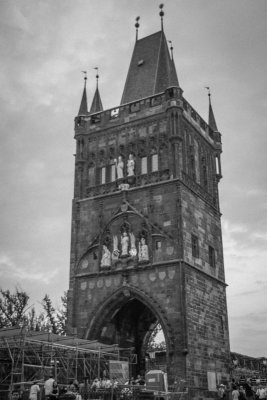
(56, 319)
(12, 307)
(154, 343)
(35, 322)
(14, 312)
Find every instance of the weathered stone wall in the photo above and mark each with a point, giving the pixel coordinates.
(203, 221)
(207, 330)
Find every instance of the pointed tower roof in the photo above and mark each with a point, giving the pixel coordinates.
(212, 122)
(83, 106)
(96, 105)
(151, 69)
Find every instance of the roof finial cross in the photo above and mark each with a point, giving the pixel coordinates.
(171, 48)
(161, 14)
(208, 89)
(137, 26)
(97, 76)
(85, 77)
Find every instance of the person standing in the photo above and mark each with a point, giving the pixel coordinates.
(48, 386)
(242, 393)
(34, 390)
(235, 393)
(261, 393)
(55, 391)
(249, 390)
(221, 391)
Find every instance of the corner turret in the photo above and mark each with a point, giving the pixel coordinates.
(83, 107)
(96, 103)
(217, 139)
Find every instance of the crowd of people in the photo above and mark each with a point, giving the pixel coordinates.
(245, 389)
(74, 390)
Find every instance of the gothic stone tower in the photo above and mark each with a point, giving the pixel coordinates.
(146, 243)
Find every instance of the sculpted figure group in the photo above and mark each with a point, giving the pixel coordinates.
(120, 166)
(126, 248)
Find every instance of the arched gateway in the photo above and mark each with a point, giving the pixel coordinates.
(128, 318)
(146, 235)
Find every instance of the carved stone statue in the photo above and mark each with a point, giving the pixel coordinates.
(115, 252)
(133, 250)
(119, 167)
(143, 250)
(106, 257)
(130, 165)
(124, 244)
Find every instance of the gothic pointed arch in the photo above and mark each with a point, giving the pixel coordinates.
(109, 314)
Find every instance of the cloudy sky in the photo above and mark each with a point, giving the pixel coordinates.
(44, 46)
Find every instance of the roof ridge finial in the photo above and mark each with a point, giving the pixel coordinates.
(97, 76)
(171, 48)
(137, 26)
(85, 77)
(208, 89)
(161, 14)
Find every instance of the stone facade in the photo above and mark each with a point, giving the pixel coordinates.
(147, 247)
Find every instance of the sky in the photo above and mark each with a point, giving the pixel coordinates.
(44, 46)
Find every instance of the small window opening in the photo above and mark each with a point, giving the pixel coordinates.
(103, 175)
(144, 165)
(195, 246)
(155, 163)
(211, 256)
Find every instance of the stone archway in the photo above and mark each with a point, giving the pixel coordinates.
(127, 318)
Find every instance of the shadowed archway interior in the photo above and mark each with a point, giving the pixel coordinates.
(130, 325)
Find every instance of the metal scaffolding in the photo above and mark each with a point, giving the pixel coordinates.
(26, 356)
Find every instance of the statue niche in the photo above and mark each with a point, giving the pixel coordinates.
(143, 250)
(124, 244)
(121, 243)
(106, 257)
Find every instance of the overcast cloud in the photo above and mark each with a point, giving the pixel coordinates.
(44, 46)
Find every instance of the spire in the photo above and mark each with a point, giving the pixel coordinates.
(173, 81)
(83, 106)
(96, 103)
(151, 69)
(212, 122)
